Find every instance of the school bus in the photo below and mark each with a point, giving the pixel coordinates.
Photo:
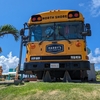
(56, 48)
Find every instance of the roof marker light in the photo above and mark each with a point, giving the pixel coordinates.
(34, 18)
(76, 15)
(70, 15)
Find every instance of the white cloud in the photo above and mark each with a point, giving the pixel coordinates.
(94, 59)
(81, 4)
(8, 62)
(97, 51)
(96, 3)
(95, 8)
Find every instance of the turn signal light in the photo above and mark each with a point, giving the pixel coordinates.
(32, 46)
(78, 44)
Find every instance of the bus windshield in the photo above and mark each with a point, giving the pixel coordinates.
(56, 31)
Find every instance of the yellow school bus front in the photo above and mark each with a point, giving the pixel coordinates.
(65, 53)
(61, 52)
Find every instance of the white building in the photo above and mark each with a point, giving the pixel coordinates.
(91, 73)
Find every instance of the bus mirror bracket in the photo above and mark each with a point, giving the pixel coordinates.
(86, 33)
(22, 32)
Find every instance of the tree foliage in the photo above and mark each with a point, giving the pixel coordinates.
(9, 29)
(97, 72)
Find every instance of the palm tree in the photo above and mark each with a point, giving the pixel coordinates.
(8, 29)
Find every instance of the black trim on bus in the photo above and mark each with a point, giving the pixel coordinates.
(69, 65)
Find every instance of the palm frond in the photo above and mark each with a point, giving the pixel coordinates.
(0, 49)
(9, 29)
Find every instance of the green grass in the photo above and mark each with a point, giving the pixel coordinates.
(50, 91)
(98, 77)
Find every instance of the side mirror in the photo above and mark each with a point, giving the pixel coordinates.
(87, 26)
(22, 32)
(87, 33)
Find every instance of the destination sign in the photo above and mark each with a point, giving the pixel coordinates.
(52, 17)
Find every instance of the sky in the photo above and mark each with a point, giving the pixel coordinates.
(18, 12)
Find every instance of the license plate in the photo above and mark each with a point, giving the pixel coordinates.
(54, 65)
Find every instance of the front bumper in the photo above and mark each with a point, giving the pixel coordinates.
(70, 65)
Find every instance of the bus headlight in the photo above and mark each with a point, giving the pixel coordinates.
(35, 58)
(75, 57)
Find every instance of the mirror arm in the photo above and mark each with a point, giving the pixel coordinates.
(22, 32)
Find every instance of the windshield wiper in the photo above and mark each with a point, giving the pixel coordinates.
(46, 37)
(64, 37)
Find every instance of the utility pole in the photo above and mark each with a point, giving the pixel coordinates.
(1, 70)
(16, 76)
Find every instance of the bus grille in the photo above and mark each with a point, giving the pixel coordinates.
(63, 57)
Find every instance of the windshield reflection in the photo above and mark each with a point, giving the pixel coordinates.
(70, 30)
